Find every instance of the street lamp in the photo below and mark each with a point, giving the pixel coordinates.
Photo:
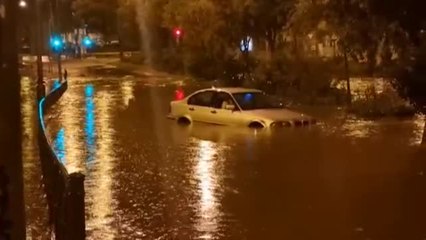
(22, 4)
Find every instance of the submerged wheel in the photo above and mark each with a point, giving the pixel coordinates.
(256, 125)
(184, 121)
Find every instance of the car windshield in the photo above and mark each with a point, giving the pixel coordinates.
(256, 100)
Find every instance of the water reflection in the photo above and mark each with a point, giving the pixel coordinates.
(35, 205)
(126, 87)
(27, 112)
(90, 124)
(56, 84)
(70, 108)
(358, 128)
(417, 137)
(207, 175)
(99, 198)
(59, 146)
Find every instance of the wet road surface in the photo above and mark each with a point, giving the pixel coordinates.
(35, 203)
(148, 178)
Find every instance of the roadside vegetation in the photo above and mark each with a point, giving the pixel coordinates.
(300, 47)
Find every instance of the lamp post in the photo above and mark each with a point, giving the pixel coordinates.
(59, 45)
(41, 90)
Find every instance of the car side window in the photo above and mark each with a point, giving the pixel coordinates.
(203, 99)
(221, 100)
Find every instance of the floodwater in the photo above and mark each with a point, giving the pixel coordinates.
(35, 202)
(148, 178)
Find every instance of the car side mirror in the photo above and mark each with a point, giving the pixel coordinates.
(230, 107)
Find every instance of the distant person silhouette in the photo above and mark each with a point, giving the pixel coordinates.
(66, 74)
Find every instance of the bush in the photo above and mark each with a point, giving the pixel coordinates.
(306, 81)
(169, 61)
(385, 104)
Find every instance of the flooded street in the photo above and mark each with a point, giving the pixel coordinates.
(149, 178)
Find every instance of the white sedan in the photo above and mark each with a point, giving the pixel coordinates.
(236, 106)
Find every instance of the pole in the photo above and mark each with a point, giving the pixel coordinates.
(347, 77)
(58, 31)
(41, 90)
(75, 210)
(59, 67)
(12, 218)
(120, 43)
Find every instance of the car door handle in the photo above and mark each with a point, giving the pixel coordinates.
(213, 111)
(191, 109)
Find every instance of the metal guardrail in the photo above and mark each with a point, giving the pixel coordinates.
(64, 191)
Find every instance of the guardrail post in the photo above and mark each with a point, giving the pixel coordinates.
(75, 207)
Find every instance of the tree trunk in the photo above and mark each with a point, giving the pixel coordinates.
(120, 40)
(41, 90)
(295, 45)
(371, 59)
(12, 210)
(347, 77)
(271, 42)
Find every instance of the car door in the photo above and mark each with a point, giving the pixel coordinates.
(222, 113)
(199, 106)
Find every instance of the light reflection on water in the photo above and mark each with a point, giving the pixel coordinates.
(72, 131)
(207, 175)
(99, 198)
(87, 146)
(359, 128)
(36, 211)
(417, 136)
(90, 124)
(126, 88)
(59, 146)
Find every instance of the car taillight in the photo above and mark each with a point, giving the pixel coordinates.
(179, 94)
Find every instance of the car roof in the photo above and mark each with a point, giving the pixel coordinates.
(233, 89)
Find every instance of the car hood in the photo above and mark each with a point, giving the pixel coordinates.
(277, 114)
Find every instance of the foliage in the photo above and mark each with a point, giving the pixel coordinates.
(128, 27)
(208, 40)
(363, 26)
(408, 15)
(269, 18)
(385, 104)
(212, 31)
(99, 15)
(306, 80)
(411, 81)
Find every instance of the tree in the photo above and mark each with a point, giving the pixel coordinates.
(411, 83)
(410, 21)
(153, 18)
(270, 18)
(359, 33)
(306, 20)
(128, 29)
(408, 15)
(99, 15)
(210, 37)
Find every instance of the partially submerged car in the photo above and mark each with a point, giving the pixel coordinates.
(236, 106)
